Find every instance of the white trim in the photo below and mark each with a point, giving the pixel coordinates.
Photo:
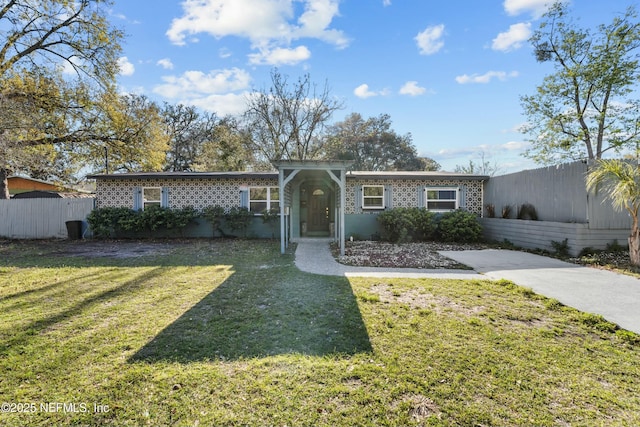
(151, 201)
(269, 201)
(365, 197)
(456, 201)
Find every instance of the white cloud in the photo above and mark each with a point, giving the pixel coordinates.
(536, 7)
(226, 104)
(386, 3)
(486, 77)
(268, 24)
(196, 84)
(315, 21)
(279, 56)
(513, 38)
(363, 91)
(430, 40)
(126, 67)
(165, 63)
(411, 88)
(515, 146)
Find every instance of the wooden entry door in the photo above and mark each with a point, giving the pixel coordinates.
(318, 212)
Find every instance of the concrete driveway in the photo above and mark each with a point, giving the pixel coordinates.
(614, 296)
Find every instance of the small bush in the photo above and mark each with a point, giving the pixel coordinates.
(239, 219)
(528, 211)
(214, 215)
(614, 246)
(506, 211)
(561, 248)
(271, 218)
(491, 210)
(401, 225)
(460, 226)
(105, 221)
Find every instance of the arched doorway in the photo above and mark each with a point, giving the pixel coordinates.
(319, 209)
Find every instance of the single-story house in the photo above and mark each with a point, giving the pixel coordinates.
(315, 198)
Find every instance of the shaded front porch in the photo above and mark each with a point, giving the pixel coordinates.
(313, 200)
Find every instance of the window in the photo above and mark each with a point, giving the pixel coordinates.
(373, 197)
(441, 199)
(151, 196)
(263, 198)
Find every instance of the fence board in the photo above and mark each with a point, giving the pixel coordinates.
(41, 218)
(558, 193)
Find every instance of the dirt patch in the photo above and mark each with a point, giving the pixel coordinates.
(407, 255)
(420, 407)
(419, 300)
(119, 249)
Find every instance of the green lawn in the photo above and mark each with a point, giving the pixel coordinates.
(231, 333)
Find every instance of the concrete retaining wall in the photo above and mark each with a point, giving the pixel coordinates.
(540, 234)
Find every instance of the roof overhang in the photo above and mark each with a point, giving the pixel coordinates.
(415, 175)
(187, 175)
(313, 164)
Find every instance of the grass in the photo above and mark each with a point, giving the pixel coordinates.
(230, 333)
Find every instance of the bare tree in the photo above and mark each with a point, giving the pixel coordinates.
(482, 167)
(286, 121)
(189, 131)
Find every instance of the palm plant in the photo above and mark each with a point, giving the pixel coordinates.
(620, 179)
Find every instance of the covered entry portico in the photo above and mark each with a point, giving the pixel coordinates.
(312, 197)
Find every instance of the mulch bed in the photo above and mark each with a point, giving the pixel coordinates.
(405, 255)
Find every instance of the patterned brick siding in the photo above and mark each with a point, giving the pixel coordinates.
(405, 192)
(225, 192)
(196, 192)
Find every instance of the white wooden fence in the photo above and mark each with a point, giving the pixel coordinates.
(41, 218)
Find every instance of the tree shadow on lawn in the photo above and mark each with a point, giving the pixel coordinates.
(252, 314)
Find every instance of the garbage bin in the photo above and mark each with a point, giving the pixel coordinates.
(74, 229)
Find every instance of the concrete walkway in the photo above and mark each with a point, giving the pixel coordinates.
(614, 296)
(314, 256)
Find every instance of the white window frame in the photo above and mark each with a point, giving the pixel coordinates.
(269, 201)
(456, 190)
(365, 197)
(151, 202)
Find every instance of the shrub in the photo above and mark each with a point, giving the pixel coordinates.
(561, 248)
(214, 215)
(527, 211)
(460, 226)
(154, 218)
(185, 216)
(107, 222)
(491, 210)
(271, 217)
(239, 219)
(506, 211)
(400, 225)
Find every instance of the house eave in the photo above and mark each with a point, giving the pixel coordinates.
(415, 175)
(187, 175)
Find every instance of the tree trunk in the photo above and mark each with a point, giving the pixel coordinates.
(4, 184)
(634, 246)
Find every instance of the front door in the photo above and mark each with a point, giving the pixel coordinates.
(318, 212)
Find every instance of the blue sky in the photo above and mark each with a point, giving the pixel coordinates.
(450, 72)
